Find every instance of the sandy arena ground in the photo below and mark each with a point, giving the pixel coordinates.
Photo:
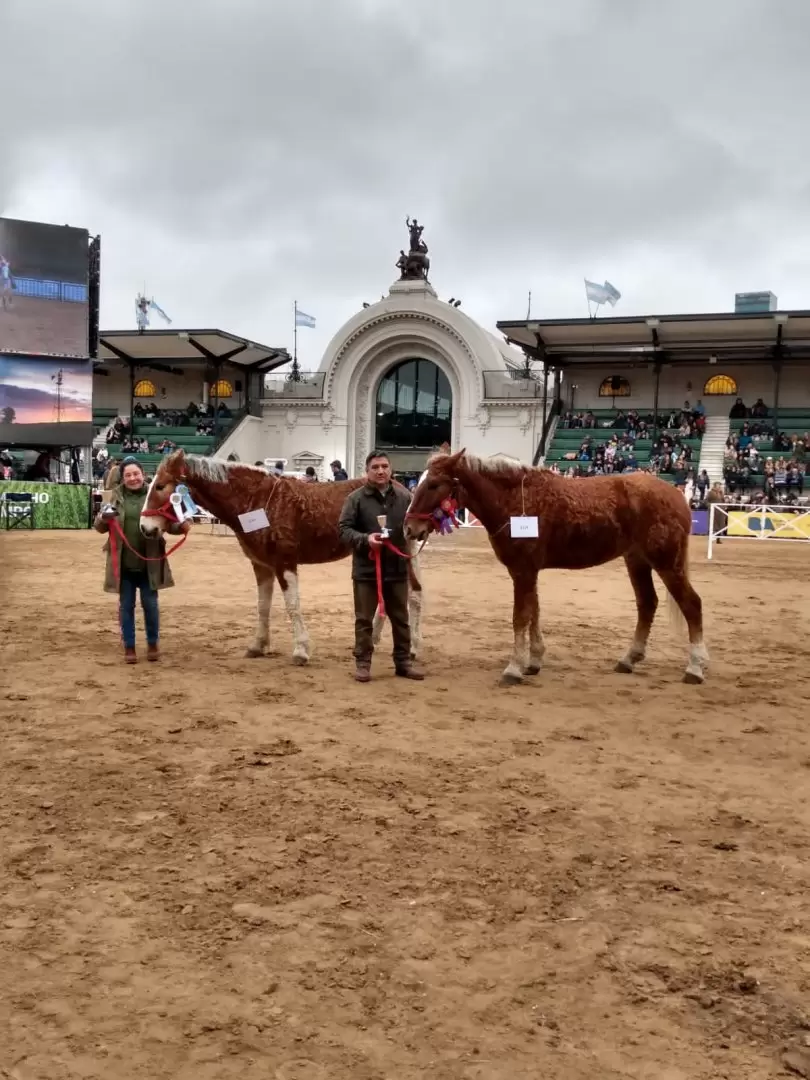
(44, 326)
(219, 868)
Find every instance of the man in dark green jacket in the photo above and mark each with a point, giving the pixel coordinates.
(360, 528)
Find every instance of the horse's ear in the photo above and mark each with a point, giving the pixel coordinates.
(177, 459)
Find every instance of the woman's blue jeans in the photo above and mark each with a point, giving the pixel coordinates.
(131, 582)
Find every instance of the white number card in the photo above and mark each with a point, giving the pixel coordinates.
(524, 528)
(253, 520)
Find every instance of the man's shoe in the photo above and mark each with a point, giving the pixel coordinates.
(153, 652)
(408, 671)
(362, 672)
(130, 656)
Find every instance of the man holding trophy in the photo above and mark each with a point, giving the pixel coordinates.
(370, 515)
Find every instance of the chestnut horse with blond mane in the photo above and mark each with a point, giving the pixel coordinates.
(303, 529)
(580, 523)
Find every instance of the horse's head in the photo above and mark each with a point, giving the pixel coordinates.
(435, 499)
(157, 510)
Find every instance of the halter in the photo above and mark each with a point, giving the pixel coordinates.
(443, 519)
(165, 511)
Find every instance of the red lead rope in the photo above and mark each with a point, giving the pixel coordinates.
(116, 529)
(376, 555)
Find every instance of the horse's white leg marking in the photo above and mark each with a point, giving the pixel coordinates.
(537, 648)
(415, 619)
(698, 661)
(415, 598)
(376, 628)
(636, 652)
(293, 602)
(518, 662)
(264, 604)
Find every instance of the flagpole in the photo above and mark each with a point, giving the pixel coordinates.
(295, 334)
(529, 308)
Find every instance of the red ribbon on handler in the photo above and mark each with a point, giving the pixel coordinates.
(117, 530)
(376, 555)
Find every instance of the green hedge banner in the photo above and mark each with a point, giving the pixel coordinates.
(56, 506)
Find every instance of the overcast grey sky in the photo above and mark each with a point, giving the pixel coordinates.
(236, 155)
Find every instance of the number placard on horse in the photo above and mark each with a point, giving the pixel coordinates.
(526, 528)
(253, 520)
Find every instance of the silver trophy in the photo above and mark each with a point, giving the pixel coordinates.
(381, 521)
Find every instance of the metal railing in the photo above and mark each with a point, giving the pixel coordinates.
(308, 386)
(66, 291)
(512, 384)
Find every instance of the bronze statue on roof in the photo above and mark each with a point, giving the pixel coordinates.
(415, 265)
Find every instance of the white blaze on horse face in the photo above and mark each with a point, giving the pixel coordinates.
(292, 601)
(151, 525)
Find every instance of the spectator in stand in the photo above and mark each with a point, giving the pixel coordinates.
(310, 476)
(338, 472)
(759, 410)
(703, 484)
(738, 410)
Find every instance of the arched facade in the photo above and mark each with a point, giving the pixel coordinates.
(334, 415)
(413, 408)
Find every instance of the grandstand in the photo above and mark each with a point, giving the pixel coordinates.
(652, 366)
(564, 447)
(164, 373)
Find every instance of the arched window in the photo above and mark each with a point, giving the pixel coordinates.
(414, 406)
(719, 384)
(615, 386)
(145, 388)
(221, 389)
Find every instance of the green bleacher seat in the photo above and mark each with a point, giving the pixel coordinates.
(569, 440)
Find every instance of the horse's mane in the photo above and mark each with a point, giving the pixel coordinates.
(217, 470)
(500, 464)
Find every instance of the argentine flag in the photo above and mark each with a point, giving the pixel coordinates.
(302, 319)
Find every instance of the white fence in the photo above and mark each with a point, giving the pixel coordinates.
(760, 524)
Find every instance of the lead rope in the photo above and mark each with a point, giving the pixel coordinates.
(376, 555)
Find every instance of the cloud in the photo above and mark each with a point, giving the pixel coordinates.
(237, 157)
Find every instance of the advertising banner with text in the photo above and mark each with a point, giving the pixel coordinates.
(55, 506)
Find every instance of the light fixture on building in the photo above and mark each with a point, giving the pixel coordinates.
(712, 359)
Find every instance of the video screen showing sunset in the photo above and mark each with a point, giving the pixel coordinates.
(37, 390)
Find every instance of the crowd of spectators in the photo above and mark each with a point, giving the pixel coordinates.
(761, 463)
(198, 415)
(670, 453)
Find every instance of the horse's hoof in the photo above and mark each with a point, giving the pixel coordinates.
(300, 661)
(511, 680)
(251, 654)
(692, 679)
(623, 668)
(532, 669)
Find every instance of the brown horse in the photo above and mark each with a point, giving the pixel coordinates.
(580, 523)
(303, 529)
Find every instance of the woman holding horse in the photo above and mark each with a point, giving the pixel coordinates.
(135, 563)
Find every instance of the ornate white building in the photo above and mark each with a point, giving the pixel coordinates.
(403, 375)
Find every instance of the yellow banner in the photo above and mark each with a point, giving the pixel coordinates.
(771, 523)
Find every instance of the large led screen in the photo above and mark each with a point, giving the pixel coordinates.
(43, 288)
(45, 401)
